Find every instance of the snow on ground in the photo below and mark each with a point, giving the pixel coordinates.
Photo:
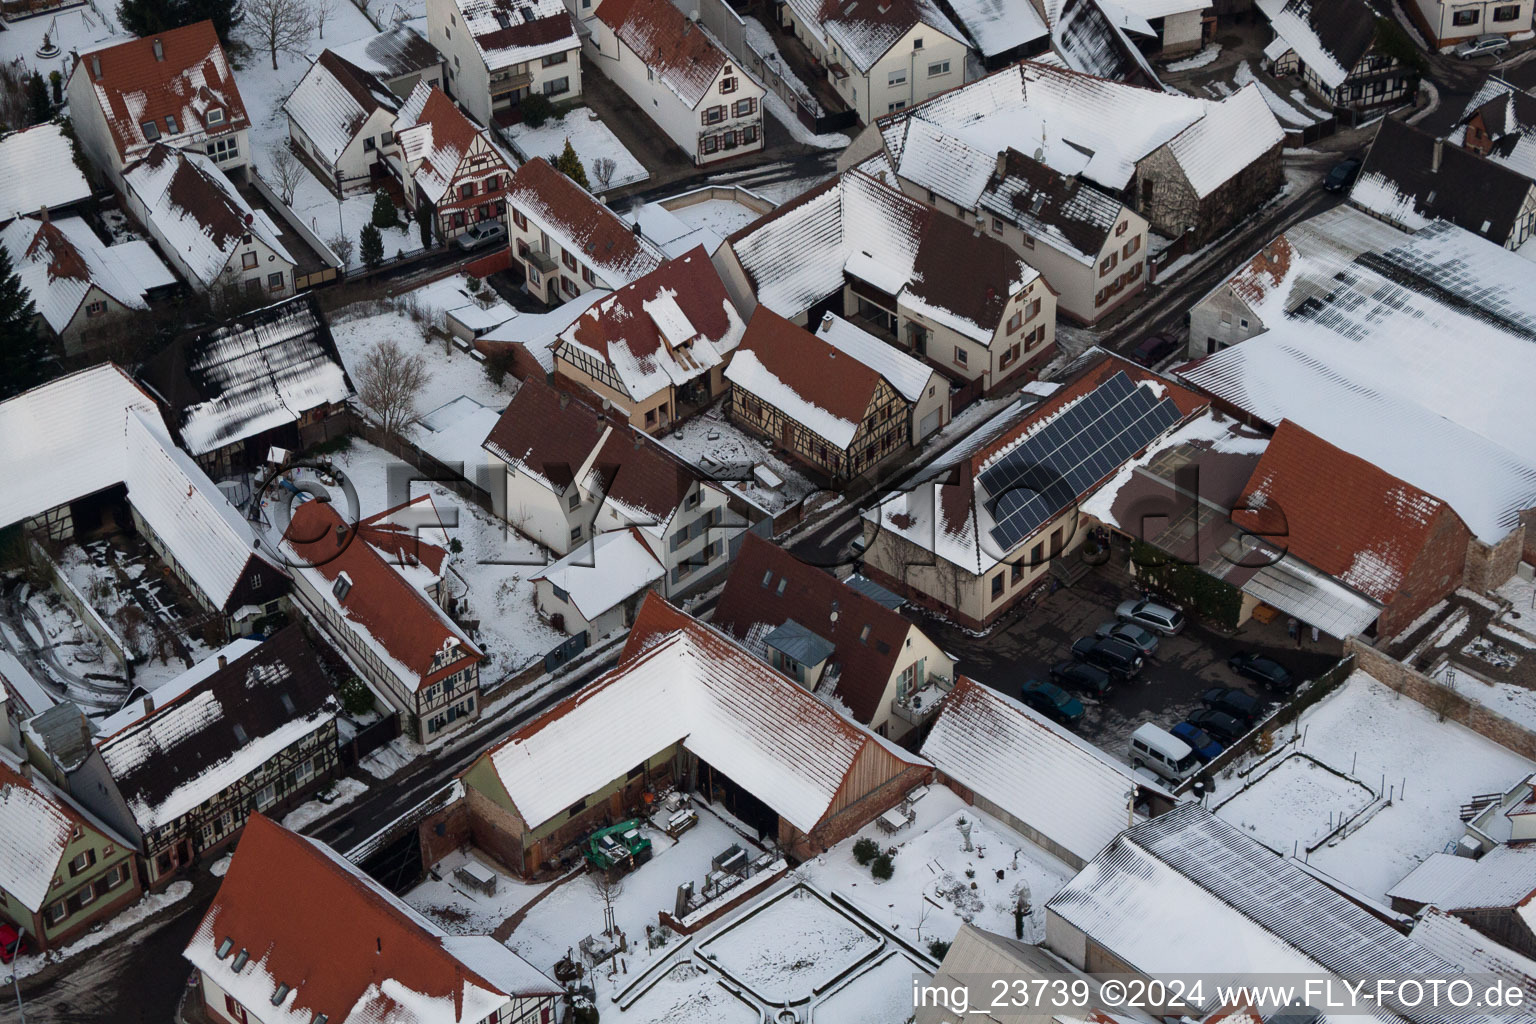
(929, 894)
(727, 453)
(1521, 595)
(390, 758)
(220, 867)
(881, 994)
(1196, 61)
(1297, 800)
(345, 791)
(318, 208)
(590, 137)
(1282, 110)
(690, 994)
(794, 945)
(761, 40)
(780, 192)
(135, 914)
(1390, 743)
(75, 30)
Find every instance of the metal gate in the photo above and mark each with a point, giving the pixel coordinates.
(565, 652)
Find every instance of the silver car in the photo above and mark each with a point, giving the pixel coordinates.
(1159, 618)
(1482, 45)
(1139, 637)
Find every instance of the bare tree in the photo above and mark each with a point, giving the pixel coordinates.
(321, 11)
(609, 886)
(391, 382)
(343, 247)
(287, 172)
(280, 25)
(602, 169)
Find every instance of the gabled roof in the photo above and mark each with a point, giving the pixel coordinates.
(391, 616)
(266, 369)
(681, 681)
(190, 76)
(1399, 182)
(59, 261)
(1337, 512)
(95, 428)
(1089, 36)
(681, 53)
(37, 823)
(1471, 950)
(604, 572)
(1504, 877)
(867, 636)
(434, 138)
(1329, 36)
(910, 377)
(998, 26)
(1038, 772)
(226, 726)
(197, 210)
(393, 53)
(509, 32)
(581, 225)
(663, 329)
(1508, 115)
(808, 380)
(341, 946)
(1070, 213)
(333, 100)
(22, 189)
(865, 30)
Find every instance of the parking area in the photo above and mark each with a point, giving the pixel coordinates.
(1025, 646)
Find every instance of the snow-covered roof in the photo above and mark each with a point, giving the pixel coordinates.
(300, 920)
(197, 210)
(694, 686)
(1152, 9)
(265, 369)
(168, 691)
(1475, 953)
(997, 26)
(1232, 134)
(1438, 876)
(865, 30)
(16, 683)
(333, 101)
(538, 333)
(908, 376)
(24, 187)
(681, 53)
(857, 227)
(1090, 36)
(1067, 212)
(59, 261)
(393, 53)
(435, 137)
(580, 224)
(1390, 365)
(1329, 36)
(1057, 784)
(93, 429)
(509, 33)
(1504, 877)
(604, 572)
(662, 330)
(37, 823)
(1507, 116)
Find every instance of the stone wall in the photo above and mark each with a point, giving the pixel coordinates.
(1173, 207)
(495, 831)
(1487, 566)
(445, 831)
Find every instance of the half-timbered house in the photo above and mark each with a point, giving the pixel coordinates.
(448, 165)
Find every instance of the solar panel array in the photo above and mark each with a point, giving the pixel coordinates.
(1092, 438)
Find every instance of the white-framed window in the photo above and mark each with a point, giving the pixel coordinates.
(897, 77)
(938, 68)
(214, 116)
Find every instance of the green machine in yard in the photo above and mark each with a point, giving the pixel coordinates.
(617, 847)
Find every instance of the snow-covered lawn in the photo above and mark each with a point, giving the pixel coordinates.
(590, 138)
(345, 791)
(1515, 702)
(690, 994)
(1429, 768)
(75, 30)
(1297, 800)
(726, 452)
(318, 208)
(135, 914)
(930, 891)
(881, 994)
(791, 946)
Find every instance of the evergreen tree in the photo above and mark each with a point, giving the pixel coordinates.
(23, 352)
(146, 17)
(371, 247)
(569, 164)
(425, 215)
(383, 210)
(38, 107)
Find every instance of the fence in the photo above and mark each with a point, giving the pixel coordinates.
(371, 738)
(333, 270)
(1295, 138)
(428, 465)
(565, 651)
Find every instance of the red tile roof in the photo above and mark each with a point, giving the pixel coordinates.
(808, 366)
(684, 56)
(193, 77)
(596, 233)
(1337, 512)
(401, 540)
(823, 604)
(400, 617)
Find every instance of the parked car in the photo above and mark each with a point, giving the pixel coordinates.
(1119, 659)
(1157, 617)
(1144, 640)
(1154, 348)
(1235, 702)
(1052, 702)
(1265, 671)
(1198, 739)
(1079, 675)
(11, 942)
(480, 234)
(1342, 175)
(1159, 750)
(1481, 46)
(1225, 727)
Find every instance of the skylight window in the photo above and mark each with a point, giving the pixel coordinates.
(151, 131)
(224, 948)
(240, 960)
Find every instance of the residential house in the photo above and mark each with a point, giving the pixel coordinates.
(251, 728)
(880, 55)
(527, 341)
(1187, 166)
(205, 228)
(22, 698)
(1337, 49)
(95, 431)
(974, 534)
(901, 270)
(1411, 178)
(498, 53)
(297, 932)
(62, 871)
(567, 242)
(656, 348)
(269, 377)
(23, 191)
(833, 639)
(174, 89)
(1002, 31)
(83, 289)
(827, 408)
(400, 57)
(925, 390)
(689, 707)
(565, 473)
(449, 167)
(598, 587)
(1448, 22)
(378, 613)
(1013, 764)
(1498, 122)
(341, 120)
(680, 76)
(1388, 363)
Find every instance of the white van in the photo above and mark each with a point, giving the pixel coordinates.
(1162, 752)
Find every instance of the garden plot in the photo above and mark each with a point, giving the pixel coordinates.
(1298, 800)
(882, 994)
(590, 138)
(690, 994)
(320, 211)
(786, 949)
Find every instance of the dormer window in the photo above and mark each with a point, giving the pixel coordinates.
(215, 116)
(342, 587)
(279, 995)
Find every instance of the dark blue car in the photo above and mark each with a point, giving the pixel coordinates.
(1199, 740)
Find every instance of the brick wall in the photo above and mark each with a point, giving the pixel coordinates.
(1434, 573)
(457, 832)
(485, 266)
(749, 890)
(495, 831)
(1488, 566)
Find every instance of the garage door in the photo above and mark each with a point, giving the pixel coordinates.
(929, 424)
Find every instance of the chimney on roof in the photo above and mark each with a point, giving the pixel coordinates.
(149, 703)
(95, 66)
(43, 213)
(26, 770)
(159, 50)
(1002, 163)
(565, 399)
(637, 229)
(223, 661)
(341, 535)
(826, 319)
(1434, 161)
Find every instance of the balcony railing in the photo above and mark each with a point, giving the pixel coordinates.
(920, 705)
(505, 83)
